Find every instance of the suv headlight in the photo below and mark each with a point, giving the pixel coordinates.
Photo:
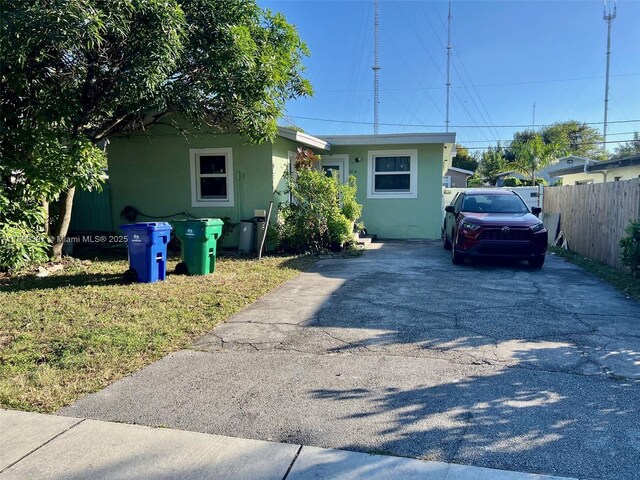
(469, 226)
(537, 227)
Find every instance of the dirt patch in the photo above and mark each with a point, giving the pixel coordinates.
(5, 340)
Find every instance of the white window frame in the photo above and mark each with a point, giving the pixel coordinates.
(196, 200)
(413, 172)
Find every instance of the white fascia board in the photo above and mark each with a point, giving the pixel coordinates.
(304, 138)
(460, 170)
(392, 139)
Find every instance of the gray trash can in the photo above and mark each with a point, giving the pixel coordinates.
(261, 226)
(247, 234)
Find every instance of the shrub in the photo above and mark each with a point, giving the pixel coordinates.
(323, 211)
(630, 247)
(20, 246)
(512, 182)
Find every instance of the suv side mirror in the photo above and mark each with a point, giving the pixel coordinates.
(450, 209)
(536, 211)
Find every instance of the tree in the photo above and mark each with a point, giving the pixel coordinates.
(575, 138)
(629, 148)
(530, 156)
(464, 160)
(492, 162)
(75, 74)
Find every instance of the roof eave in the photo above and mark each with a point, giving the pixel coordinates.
(304, 138)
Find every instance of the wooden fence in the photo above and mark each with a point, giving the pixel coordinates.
(593, 217)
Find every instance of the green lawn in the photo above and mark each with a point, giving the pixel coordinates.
(76, 331)
(623, 281)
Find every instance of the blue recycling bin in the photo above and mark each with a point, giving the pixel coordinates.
(147, 243)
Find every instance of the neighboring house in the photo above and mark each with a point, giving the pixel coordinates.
(578, 170)
(456, 177)
(544, 173)
(161, 172)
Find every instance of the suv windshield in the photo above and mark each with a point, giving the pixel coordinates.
(496, 203)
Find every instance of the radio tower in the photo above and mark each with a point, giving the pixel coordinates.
(376, 64)
(608, 15)
(446, 122)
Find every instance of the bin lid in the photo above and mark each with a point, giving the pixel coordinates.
(200, 221)
(147, 226)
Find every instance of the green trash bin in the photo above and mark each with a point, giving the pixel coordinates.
(198, 241)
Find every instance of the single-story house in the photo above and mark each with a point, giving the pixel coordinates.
(578, 170)
(161, 172)
(456, 177)
(544, 173)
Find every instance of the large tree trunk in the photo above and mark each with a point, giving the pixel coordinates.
(62, 225)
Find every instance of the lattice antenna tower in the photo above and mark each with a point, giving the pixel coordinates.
(376, 64)
(608, 15)
(446, 122)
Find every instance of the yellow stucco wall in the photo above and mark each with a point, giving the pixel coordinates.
(626, 173)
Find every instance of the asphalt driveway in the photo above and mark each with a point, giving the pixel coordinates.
(399, 352)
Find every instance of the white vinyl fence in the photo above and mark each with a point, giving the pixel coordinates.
(528, 194)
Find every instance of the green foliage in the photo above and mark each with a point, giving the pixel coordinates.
(464, 160)
(74, 74)
(630, 247)
(20, 246)
(323, 212)
(629, 148)
(475, 181)
(492, 163)
(512, 182)
(575, 138)
(531, 155)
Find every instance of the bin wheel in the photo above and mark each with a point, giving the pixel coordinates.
(131, 276)
(181, 269)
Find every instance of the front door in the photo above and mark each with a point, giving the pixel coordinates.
(335, 163)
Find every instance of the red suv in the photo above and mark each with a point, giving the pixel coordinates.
(493, 223)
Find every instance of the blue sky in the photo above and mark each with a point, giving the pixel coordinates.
(506, 56)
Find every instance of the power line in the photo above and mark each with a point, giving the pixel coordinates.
(510, 84)
(576, 144)
(329, 120)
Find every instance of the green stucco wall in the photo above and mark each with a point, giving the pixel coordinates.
(152, 174)
(405, 218)
(281, 149)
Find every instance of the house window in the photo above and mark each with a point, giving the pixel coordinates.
(617, 179)
(393, 174)
(446, 181)
(211, 177)
(584, 182)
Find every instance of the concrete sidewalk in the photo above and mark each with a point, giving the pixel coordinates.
(37, 446)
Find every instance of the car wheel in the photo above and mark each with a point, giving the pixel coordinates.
(537, 262)
(445, 242)
(456, 257)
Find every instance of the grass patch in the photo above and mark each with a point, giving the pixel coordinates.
(74, 332)
(623, 281)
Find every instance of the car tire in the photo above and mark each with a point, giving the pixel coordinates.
(445, 242)
(536, 262)
(456, 257)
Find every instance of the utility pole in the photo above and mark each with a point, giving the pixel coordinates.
(608, 15)
(533, 123)
(446, 123)
(376, 64)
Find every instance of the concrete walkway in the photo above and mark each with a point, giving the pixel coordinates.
(35, 446)
(399, 352)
